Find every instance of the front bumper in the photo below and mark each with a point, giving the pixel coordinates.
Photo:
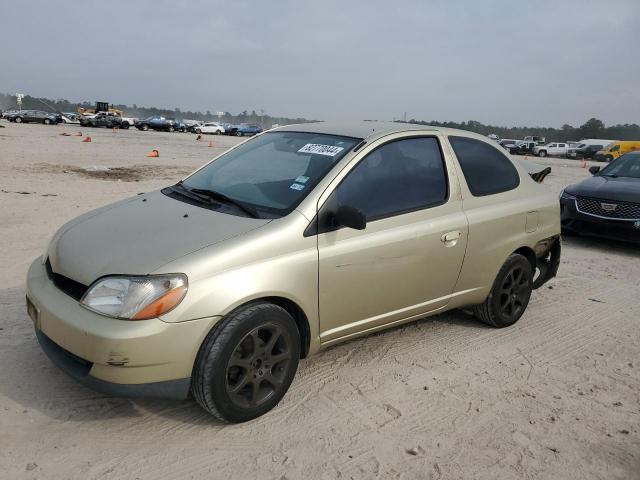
(120, 357)
(575, 221)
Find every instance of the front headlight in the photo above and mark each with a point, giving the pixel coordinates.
(135, 297)
(566, 196)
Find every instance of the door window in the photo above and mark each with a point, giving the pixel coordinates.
(399, 177)
(486, 169)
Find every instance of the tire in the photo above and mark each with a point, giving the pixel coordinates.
(46, 121)
(218, 132)
(145, 128)
(516, 287)
(239, 133)
(542, 153)
(198, 131)
(18, 120)
(125, 125)
(608, 158)
(241, 338)
(171, 128)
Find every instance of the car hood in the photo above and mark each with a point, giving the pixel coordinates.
(623, 189)
(139, 235)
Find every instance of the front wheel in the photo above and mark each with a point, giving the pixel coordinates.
(509, 295)
(171, 128)
(239, 134)
(145, 128)
(608, 158)
(247, 363)
(46, 121)
(18, 120)
(542, 153)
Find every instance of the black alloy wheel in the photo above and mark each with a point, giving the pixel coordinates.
(510, 294)
(247, 362)
(258, 365)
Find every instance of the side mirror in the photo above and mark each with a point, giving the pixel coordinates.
(595, 169)
(350, 217)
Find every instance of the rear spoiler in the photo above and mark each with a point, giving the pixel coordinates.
(536, 171)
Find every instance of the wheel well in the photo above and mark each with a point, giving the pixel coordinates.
(302, 322)
(529, 254)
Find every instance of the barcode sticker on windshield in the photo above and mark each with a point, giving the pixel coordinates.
(319, 149)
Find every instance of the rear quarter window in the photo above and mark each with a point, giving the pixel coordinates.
(486, 170)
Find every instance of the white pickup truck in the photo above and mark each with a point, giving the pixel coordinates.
(554, 149)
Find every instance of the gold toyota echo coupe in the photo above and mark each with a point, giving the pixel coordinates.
(299, 238)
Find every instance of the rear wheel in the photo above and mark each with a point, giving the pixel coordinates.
(608, 158)
(542, 153)
(247, 363)
(18, 120)
(145, 128)
(46, 121)
(509, 295)
(171, 128)
(239, 133)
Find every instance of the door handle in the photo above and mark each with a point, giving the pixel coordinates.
(450, 238)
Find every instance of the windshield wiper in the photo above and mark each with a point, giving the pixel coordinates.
(212, 194)
(185, 192)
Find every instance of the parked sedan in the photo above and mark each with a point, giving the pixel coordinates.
(104, 119)
(244, 129)
(35, 116)
(296, 240)
(607, 204)
(210, 127)
(156, 123)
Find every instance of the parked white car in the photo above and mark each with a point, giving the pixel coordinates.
(553, 149)
(210, 127)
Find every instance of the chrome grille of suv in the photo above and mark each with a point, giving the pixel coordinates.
(621, 211)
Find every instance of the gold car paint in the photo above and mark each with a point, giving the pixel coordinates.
(400, 265)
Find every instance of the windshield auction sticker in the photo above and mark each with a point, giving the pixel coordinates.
(319, 149)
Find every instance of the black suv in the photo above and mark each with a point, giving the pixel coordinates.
(35, 116)
(104, 119)
(588, 151)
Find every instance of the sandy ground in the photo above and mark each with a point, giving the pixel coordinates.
(556, 396)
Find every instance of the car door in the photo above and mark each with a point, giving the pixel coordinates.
(407, 260)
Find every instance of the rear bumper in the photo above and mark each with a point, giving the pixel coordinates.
(140, 358)
(577, 222)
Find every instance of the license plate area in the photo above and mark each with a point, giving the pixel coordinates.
(33, 312)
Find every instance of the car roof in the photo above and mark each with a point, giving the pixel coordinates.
(372, 129)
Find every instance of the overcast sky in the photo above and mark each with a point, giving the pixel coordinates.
(499, 62)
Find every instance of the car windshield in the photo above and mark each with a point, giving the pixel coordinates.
(273, 172)
(626, 166)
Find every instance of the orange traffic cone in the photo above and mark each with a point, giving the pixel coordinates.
(79, 134)
(86, 139)
(211, 143)
(153, 154)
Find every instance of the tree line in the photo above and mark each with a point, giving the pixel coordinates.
(592, 128)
